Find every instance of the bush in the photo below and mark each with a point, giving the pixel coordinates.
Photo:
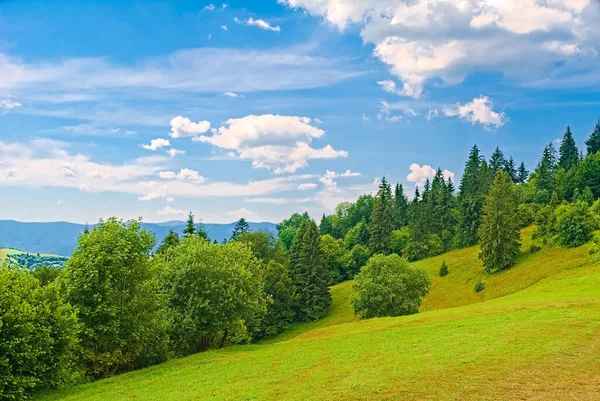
(574, 224)
(398, 240)
(443, 269)
(479, 286)
(595, 248)
(526, 213)
(533, 248)
(38, 336)
(389, 286)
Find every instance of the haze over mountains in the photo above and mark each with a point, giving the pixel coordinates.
(60, 238)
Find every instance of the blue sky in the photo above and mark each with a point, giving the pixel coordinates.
(259, 109)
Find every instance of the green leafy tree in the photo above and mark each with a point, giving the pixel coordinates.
(574, 224)
(587, 174)
(110, 283)
(46, 274)
(359, 256)
(568, 152)
(389, 286)
(335, 258)
(241, 227)
(499, 231)
(287, 228)
(170, 241)
(381, 219)
(212, 290)
(264, 245)
(38, 336)
(280, 292)
(309, 274)
(593, 142)
(398, 240)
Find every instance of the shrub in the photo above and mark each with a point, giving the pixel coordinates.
(38, 336)
(443, 269)
(389, 286)
(574, 224)
(479, 286)
(526, 213)
(398, 240)
(533, 248)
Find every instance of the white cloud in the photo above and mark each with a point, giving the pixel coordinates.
(281, 201)
(182, 127)
(445, 40)
(157, 143)
(169, 211)
(9, 104)
(183, 175)
(431, 114)
(305, 186)
(385, 113)
(232, 94)
(258, 23)
(410, 112)
(242, 212)
(419, 174)
(328, 182)
(224, 27)
(170, 199)
(478, 111)
(209, 7)
(58, 202)
(278, 143)
(174, 152)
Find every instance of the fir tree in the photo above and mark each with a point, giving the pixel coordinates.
(381, 219)
(473, 186)
(497, 161)
(326, 225)
(568, 152)
(400, 207)
(546, 169)
(522, 174)
(308, 273)
(499, 232)
(201, 231)
(86, 229)
(240, 227)
(511, 168)
(593, 142)
(190, 226)
(171, 240)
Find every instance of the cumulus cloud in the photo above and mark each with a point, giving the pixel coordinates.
(169, 211)
(419, 174)
(224, 27)
(305, 186)
(182, 127)
(445, 40)
(274, 142)
(232, 94)
(478, 111)
(184, 175)
(328, 178)
(9, 104)
(157, 143)
(259, 23)
(174, 152)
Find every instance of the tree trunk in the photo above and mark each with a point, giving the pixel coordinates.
(224, 339)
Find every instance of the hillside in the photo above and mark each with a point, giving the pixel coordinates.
(60, 238)
(533, 333)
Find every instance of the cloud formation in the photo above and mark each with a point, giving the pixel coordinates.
(259, 23)
(419, 174)
(157, 143)
(478, 111)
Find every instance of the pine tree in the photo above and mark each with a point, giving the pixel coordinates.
(497, 161)
(522, 174)
(326, 225)
(546, 169)
(593, 142)
(499, 233)
(201, 231)
(190, 226)
(308, 274)
(171, 240)
(86, 229)
(568, 152)
(473, 186)
(381, 219)
(511, 168)
(400, 207)
(240, 227)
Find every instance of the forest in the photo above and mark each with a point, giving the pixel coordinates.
(117, 306)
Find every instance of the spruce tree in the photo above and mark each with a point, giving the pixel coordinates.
(171, 240)
(593, 142)
(381, 220)
(240, 227)
(546, 169)
(511, 168)
(497, 161)
(473, 186)
(400, 207)
(308, 274)
(522, 174)
(499, 233)
(201, 231)
(326, 225)
(190, 226)
(568, 152)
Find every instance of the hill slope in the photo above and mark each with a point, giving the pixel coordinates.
(60, 238)
(541, 342)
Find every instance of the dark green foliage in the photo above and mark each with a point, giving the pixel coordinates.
(335, 259)
(546, 169)
(110, 283)
(38, 336)
(479, 286)
(288, 227)
(511, 168)
(46, 274)
(240, 228)
(497, 161)
(33, 262)
(443, 269)
(381, 223)
(359, 256)
(534, 247)
(526, 213)
(171, 240)
(309, 274)
(574, 224)
(499, 231)
(389, 286)
(400, 208)
(263, 245)
(399, 240)
(588, 173)
(568, 152)
(522, 174)
(593, 142)
(326, 225)
(190, 226)
(584, 196)
(213, 291)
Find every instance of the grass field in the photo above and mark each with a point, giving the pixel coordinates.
(532, 334)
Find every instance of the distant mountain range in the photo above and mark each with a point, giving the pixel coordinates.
(60, 238)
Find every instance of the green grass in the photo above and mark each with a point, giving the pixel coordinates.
(538, 339)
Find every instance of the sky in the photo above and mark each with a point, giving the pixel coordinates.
(259, 109)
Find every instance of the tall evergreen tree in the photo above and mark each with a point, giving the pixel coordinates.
(497, 161)
(522, 174)
(240, 227)
(568, 152)
(201, 231)
(593, 142)
(326, 226)
(400, 207)
(546, 169)
(190, 226)
(381, 219)
(308, 273)
(171, 240)
(511, 168)
(474, 185)
(499, 233)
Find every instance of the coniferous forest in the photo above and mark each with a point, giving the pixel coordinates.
(117, 306)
